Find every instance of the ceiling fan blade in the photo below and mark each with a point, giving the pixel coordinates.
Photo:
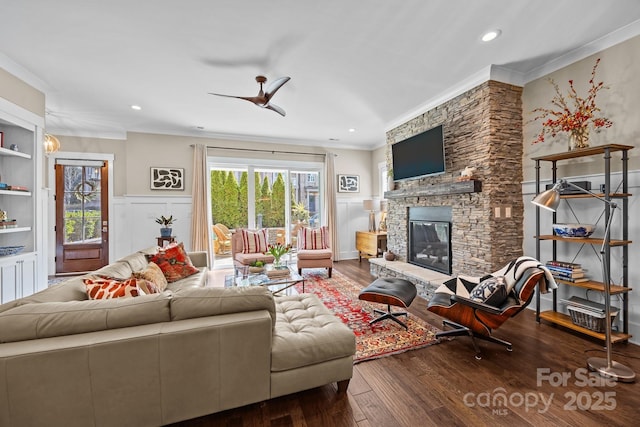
(255, 99)
(275, 108)
(273, 87)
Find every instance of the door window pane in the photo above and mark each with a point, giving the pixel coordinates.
(82, 204)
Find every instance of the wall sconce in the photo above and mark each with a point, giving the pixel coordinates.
(50, 144)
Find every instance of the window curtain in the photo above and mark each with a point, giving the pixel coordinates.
(331, 202)
(200, 238)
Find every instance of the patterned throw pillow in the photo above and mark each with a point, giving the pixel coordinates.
(254, 242)
(174, 262)
(313, 238)
(154, 275)
(99, 288)
(491, 291)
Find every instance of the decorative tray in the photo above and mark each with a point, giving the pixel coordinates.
(10, 250)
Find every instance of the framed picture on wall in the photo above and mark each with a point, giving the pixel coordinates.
(348, 183)
(167, 178)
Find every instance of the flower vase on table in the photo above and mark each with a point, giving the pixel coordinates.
(277, 251)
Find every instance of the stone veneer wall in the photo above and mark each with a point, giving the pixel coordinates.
(482, 128)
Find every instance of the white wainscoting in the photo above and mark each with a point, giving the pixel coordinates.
(133, 224)
(351, 217)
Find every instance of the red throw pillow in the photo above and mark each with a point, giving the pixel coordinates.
(313, 238)
(254, 242)
(99, 288)
(174, 262)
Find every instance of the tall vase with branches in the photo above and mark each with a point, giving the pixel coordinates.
(574, 114)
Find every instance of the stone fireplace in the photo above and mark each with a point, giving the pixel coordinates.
(483, 129)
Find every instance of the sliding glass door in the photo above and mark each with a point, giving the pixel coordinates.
(280, 197)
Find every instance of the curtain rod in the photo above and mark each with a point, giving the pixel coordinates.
(257, 150)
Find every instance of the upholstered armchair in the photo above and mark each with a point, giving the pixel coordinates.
(314, 249)
(476, 306)
(248, 246)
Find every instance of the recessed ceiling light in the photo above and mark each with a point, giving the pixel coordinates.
(352, 130)
(136, 107)
(491, 35)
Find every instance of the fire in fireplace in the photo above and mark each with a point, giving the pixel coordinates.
(430, 239)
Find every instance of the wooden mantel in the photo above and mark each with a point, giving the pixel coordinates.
(442, 188)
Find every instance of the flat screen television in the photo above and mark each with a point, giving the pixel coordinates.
(419, 155)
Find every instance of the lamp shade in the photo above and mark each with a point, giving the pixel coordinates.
(50, 144)
(368, 205)
(549, 199)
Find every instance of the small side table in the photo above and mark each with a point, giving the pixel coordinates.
(162, 241)
(371, 243)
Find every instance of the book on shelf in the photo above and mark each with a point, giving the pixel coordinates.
(17, 188)
(571, 279)
(563, 264)
(9, 223)
(3, 185)
(567, 273)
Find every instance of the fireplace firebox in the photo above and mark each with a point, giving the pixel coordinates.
(430, 238)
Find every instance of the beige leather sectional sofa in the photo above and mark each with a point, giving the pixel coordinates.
(156, 359)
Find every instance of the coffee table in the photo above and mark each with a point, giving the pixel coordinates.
(242, 277)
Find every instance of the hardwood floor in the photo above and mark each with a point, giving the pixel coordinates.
(445, 385)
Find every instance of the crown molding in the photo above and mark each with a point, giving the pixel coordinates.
(616, 37)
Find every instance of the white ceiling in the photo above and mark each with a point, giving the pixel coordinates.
(363, 64)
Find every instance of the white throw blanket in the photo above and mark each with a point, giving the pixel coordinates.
(512, 273)
(514, 270)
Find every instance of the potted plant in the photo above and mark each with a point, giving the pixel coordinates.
(166, 222)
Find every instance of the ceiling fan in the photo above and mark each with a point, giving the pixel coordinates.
(263, 99)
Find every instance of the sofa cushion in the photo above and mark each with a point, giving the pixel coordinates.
(118, 270)
(192, 302)
(194, 281)
(72, 289)
(313, 238)
(307, 333)
(153, 274)
(50, 319)
(106, 288)
(174, 262)
(246, 259)
(137, 260)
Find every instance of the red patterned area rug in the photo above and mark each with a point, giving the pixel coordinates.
(381, 339)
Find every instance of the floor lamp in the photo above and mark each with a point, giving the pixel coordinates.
(605, 367)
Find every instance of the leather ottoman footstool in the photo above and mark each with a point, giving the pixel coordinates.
(390, 291)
